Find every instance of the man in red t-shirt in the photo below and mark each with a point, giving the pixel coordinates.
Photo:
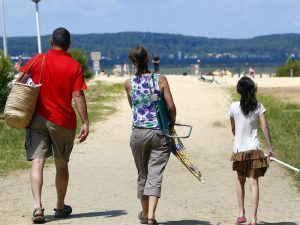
(52, 129)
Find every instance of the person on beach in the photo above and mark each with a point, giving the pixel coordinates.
(248, 159)
(156, 62)
(52, 129)
(150, 147)
(18, 64)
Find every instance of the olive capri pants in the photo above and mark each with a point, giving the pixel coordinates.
(151, 152)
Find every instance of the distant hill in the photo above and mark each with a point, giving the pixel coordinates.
(117, 45)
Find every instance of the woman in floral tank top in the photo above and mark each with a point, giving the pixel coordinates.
(150, 147)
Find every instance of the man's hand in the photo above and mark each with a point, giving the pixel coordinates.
(81, 107)
(84, 132)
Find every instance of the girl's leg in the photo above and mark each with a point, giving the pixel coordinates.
(254, 198)
(241, 180)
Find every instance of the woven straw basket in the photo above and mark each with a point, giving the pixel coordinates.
(21, 101)
(20, 105)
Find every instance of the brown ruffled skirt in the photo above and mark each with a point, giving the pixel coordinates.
(251, 163)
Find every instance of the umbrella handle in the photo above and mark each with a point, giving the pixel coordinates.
(284, 164)
(167, 133)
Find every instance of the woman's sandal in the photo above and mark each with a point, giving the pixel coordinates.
(152, 221)
(143, 220)
(38, 215)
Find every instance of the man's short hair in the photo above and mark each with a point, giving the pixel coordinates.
(61, 38)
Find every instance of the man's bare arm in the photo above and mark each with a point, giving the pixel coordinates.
(80, 103)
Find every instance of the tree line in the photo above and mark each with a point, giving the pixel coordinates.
(117, 45)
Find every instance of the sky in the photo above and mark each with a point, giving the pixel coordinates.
(205, 18)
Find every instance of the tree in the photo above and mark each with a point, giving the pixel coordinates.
(288, 69)
(81, 57)
(6, 76)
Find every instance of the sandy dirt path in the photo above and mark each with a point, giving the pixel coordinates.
(102, 187)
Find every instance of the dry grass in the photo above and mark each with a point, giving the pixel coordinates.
(288, 95)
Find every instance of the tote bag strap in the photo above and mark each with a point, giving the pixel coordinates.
(42, 68)
(26, 71)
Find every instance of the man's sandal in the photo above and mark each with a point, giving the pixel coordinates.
(152, 221)
(143, 220)
(64, 212)
(38, 215)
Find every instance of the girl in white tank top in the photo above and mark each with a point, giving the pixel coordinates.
(248, 159)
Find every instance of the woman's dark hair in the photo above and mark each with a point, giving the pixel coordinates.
(61, 38)
(247, 89)
(139, 56)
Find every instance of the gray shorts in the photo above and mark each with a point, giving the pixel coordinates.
(45, 139)
(151, 152)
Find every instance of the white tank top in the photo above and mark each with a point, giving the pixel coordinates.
(246, 127)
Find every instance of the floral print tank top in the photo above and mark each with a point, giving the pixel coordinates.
(144, 115)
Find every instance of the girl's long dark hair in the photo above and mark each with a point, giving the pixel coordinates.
(139, 56)
(247, 89)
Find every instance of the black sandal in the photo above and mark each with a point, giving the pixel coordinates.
(38, 215)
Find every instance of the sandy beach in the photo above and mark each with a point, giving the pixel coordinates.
(102, 188)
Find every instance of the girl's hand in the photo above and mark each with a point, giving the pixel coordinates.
(270, 154)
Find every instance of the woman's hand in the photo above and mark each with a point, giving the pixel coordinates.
(171, 128)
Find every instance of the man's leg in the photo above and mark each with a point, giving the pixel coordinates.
(36, 181)
(62, 179)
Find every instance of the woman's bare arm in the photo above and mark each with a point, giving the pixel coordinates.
(165, 89)
(127, 86)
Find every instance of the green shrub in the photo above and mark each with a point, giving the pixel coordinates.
(6, 76)
(285, 70)
(81, 57)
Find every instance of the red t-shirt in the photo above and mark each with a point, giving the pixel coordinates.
(62, 75)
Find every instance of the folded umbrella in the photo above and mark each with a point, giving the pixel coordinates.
(178, 148)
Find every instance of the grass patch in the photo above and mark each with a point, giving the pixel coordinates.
(283, 116)
(12, 153)
(101, 100)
